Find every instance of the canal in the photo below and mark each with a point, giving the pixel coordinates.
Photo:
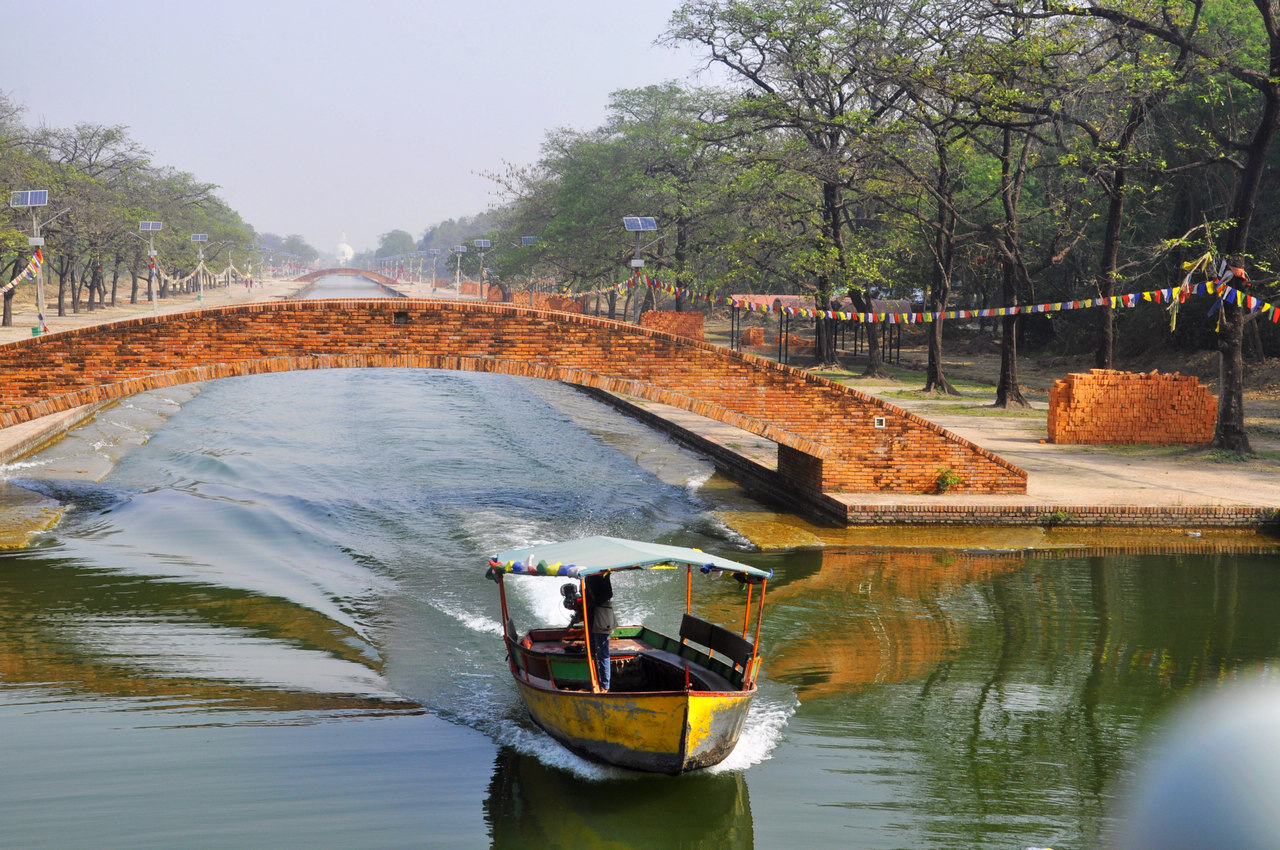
(266, 625)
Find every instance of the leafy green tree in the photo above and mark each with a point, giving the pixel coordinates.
(802, 64)
(395, 243)
(1236, 49)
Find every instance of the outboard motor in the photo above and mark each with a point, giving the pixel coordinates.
(572, 603)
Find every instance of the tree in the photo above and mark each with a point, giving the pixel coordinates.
(395, 243)
(1236, 47)
(804, 63)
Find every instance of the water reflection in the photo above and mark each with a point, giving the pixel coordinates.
(861, 617)
(171, 644)
(533, 805)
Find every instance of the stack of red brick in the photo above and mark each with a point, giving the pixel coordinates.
(753, 336)
(1106, 407)
(681, 324)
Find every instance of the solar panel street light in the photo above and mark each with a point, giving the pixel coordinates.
(151, 228)
(483, 245)
(639, 224)
(200, 239)
(458, 251)
(29, 198)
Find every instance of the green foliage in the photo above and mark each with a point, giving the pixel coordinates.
(947, 478)
(395, 243)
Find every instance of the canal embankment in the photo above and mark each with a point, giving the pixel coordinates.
(1073, 492)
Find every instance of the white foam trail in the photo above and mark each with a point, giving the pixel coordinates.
(7, 469)
(475, 622)
(695, 482)
(765, 727)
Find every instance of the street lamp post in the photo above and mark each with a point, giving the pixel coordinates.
(458, 250)
(151, 228)
(435, 258)
(640, 224)
(483, 245)
(200, 239)
(33, 200)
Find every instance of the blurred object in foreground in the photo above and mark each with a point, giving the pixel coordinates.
(1213, 779)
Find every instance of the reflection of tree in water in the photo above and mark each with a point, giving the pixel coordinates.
(1021, 687)
(55, 612)
(869, 617)
(533, 805)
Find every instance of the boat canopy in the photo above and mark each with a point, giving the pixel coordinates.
(589, 555)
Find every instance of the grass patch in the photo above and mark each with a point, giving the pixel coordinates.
(984, 410)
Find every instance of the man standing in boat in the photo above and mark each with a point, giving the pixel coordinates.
(601, 622)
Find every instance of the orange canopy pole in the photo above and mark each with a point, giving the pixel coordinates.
(755, 646)
(688, 589)
(502, 596)
(746, 618)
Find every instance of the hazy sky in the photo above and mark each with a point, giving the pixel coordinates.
(309, 114)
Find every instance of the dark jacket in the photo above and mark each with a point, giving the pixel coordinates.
(599, 597)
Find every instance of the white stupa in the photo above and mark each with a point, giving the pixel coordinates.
(345, 252)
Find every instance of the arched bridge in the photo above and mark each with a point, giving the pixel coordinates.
(831, 438)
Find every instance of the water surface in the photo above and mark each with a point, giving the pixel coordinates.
(266, 625)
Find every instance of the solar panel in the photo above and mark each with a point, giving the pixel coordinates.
(435, 252)
(150, 225)
(31, 198)
(639, 222)
(459, 249)
(483, 243)
(526, 241)
(199, 237)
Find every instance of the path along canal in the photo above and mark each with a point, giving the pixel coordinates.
(266, 625)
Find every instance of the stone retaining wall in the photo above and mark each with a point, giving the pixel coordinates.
(1106, 407)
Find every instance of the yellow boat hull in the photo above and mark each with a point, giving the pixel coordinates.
(665, 732)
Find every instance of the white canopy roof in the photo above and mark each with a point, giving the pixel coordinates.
(588, 555)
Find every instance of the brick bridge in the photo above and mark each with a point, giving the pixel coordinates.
(830, 438)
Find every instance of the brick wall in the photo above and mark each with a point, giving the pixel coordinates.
(1106, 407)
(753, 336)
(681, 324)
(844, 440)
(547, 301)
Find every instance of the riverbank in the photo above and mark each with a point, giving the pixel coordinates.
(1143, 491)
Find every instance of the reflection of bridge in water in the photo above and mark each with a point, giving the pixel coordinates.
(830, 438)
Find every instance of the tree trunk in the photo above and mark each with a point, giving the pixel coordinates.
(940, 282)
(1229, 433)
(1103, 355)
(7, 321)
(1008, 393)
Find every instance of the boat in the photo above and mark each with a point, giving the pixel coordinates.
(675, 704)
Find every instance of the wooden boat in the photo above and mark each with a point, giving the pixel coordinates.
(675, 704)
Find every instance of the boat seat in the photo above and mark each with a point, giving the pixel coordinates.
(713, 681)
(717, 639)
